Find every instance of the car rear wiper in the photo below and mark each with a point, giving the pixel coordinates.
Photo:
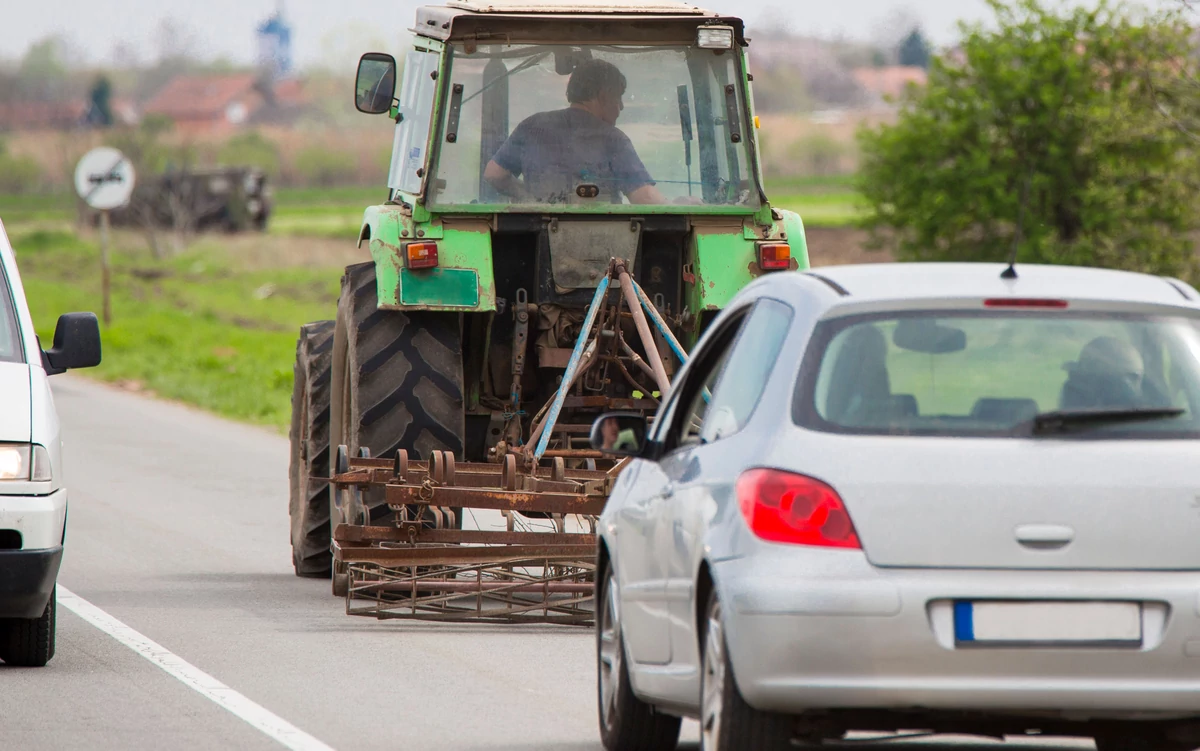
(1064, 420)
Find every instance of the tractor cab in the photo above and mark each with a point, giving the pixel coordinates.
(578, 132)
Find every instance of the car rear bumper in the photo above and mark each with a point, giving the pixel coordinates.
(839, 633)
(27, 580)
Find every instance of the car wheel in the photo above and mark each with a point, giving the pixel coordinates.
(29, 642)
(626, 722)
(726, 720)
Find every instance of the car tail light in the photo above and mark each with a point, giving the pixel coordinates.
(774, 256)
(785, 507)
(422, 255)
(1023, 302)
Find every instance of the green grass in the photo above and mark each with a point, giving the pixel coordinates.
(197, 329)
(36, 207)
(820, 201)
(337, 212)
(835, 210)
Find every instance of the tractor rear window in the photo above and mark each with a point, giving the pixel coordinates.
(599, 125)
(1003, 374)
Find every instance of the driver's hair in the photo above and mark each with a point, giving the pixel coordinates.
(592, 77)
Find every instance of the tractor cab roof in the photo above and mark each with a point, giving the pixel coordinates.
(578, 6)
(569, 21)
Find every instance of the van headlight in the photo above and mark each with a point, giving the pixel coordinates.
(25, 462)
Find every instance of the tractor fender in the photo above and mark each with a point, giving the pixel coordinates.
(463, 280)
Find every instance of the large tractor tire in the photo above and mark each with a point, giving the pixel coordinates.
(309, 499)
(397, 380)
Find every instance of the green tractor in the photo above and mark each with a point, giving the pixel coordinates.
(535, 143)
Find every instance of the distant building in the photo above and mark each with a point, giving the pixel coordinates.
(220, 104)
(68, 115)
(207, 103)
(889, 82)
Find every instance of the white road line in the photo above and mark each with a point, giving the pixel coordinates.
(202, 683)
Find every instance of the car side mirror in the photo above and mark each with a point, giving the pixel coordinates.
(620, 434)
(76, 344)
(375, 85)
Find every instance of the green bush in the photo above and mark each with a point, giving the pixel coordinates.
(18, 174)
(251, 149)
(819, 154)
(1048, 133)
(317, 166)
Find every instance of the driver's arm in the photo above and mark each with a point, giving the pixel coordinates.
(504, 181)
(507, 164)
(647, 194)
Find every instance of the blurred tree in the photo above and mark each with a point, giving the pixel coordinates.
(42, 73)
(914, 50)
(254, 150)
(99, 113)
(1045, 135)
(888, 32)
(18, 173)
(780, 89)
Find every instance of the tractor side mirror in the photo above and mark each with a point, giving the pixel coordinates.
(375, 85)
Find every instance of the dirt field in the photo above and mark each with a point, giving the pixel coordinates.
(839, 246)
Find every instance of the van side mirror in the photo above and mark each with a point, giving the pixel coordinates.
(76, 344)
(375, 85)
(619, 434)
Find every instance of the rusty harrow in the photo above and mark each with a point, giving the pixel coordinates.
(507, 541)
(507, 570)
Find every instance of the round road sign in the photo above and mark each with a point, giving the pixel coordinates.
(104, 178)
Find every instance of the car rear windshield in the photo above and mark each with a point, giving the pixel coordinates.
(10, 337)
(1001, 374)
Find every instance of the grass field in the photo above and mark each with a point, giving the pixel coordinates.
(215, 327)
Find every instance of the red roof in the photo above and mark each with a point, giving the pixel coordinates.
(290, 91)
(39, 115)
(201, 97)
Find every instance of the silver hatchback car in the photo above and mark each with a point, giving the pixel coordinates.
(957, 498)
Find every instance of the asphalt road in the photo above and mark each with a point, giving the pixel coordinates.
(178, 528)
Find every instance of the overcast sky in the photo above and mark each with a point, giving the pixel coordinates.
(325, 30)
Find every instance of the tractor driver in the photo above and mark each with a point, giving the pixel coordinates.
(558, 151)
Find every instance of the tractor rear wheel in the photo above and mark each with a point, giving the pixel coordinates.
(398, 377)
(309, 499)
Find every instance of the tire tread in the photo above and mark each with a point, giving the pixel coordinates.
(29, 642)
(309, 503)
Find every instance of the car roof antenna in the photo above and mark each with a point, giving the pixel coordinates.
(1011, 271)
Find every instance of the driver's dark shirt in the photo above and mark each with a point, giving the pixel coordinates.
(557, 151)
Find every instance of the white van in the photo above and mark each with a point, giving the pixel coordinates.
(33, 501)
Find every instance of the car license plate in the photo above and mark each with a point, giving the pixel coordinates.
(995, 623)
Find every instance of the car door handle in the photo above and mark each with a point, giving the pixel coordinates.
(1044, 536)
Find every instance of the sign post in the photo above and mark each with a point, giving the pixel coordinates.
(104, 179)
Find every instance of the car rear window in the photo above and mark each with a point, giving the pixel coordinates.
(992, 373)
(10, 337)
